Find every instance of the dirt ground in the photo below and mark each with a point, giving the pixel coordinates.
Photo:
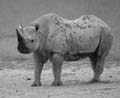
(16, 76)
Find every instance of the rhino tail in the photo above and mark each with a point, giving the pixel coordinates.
(105, 42)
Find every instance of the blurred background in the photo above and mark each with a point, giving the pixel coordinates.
(15, 12)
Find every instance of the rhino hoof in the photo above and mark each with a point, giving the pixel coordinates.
(57, 83)
(36, 84)
(95, 81)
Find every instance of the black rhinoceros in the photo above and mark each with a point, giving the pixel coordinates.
(54, 38)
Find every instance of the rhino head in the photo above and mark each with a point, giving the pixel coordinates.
(28, 41)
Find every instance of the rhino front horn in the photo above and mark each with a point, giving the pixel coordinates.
(18, 35)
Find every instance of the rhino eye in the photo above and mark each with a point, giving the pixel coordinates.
(31, 40)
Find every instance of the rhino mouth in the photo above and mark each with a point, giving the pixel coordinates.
(23, 49)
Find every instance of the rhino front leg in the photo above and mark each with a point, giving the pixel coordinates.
(57, 61)
(39, 62)
(37, 74)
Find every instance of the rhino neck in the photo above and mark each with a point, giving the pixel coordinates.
(43, 37)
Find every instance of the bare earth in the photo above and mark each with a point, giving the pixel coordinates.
(15, 81)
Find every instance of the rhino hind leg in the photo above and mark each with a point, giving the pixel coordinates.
(97, 63)
(98, 58)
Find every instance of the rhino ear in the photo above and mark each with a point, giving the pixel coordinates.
(37, 27)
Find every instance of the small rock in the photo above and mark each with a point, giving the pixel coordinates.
(28, 78)
(48, 95)
(16, 91)
(110, 76)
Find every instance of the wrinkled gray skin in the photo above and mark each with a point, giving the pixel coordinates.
(54, 38)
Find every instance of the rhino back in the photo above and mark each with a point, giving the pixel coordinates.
(74, 36)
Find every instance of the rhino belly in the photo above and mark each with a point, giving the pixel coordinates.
(75, 57)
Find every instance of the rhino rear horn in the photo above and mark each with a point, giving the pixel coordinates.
(21, 28)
